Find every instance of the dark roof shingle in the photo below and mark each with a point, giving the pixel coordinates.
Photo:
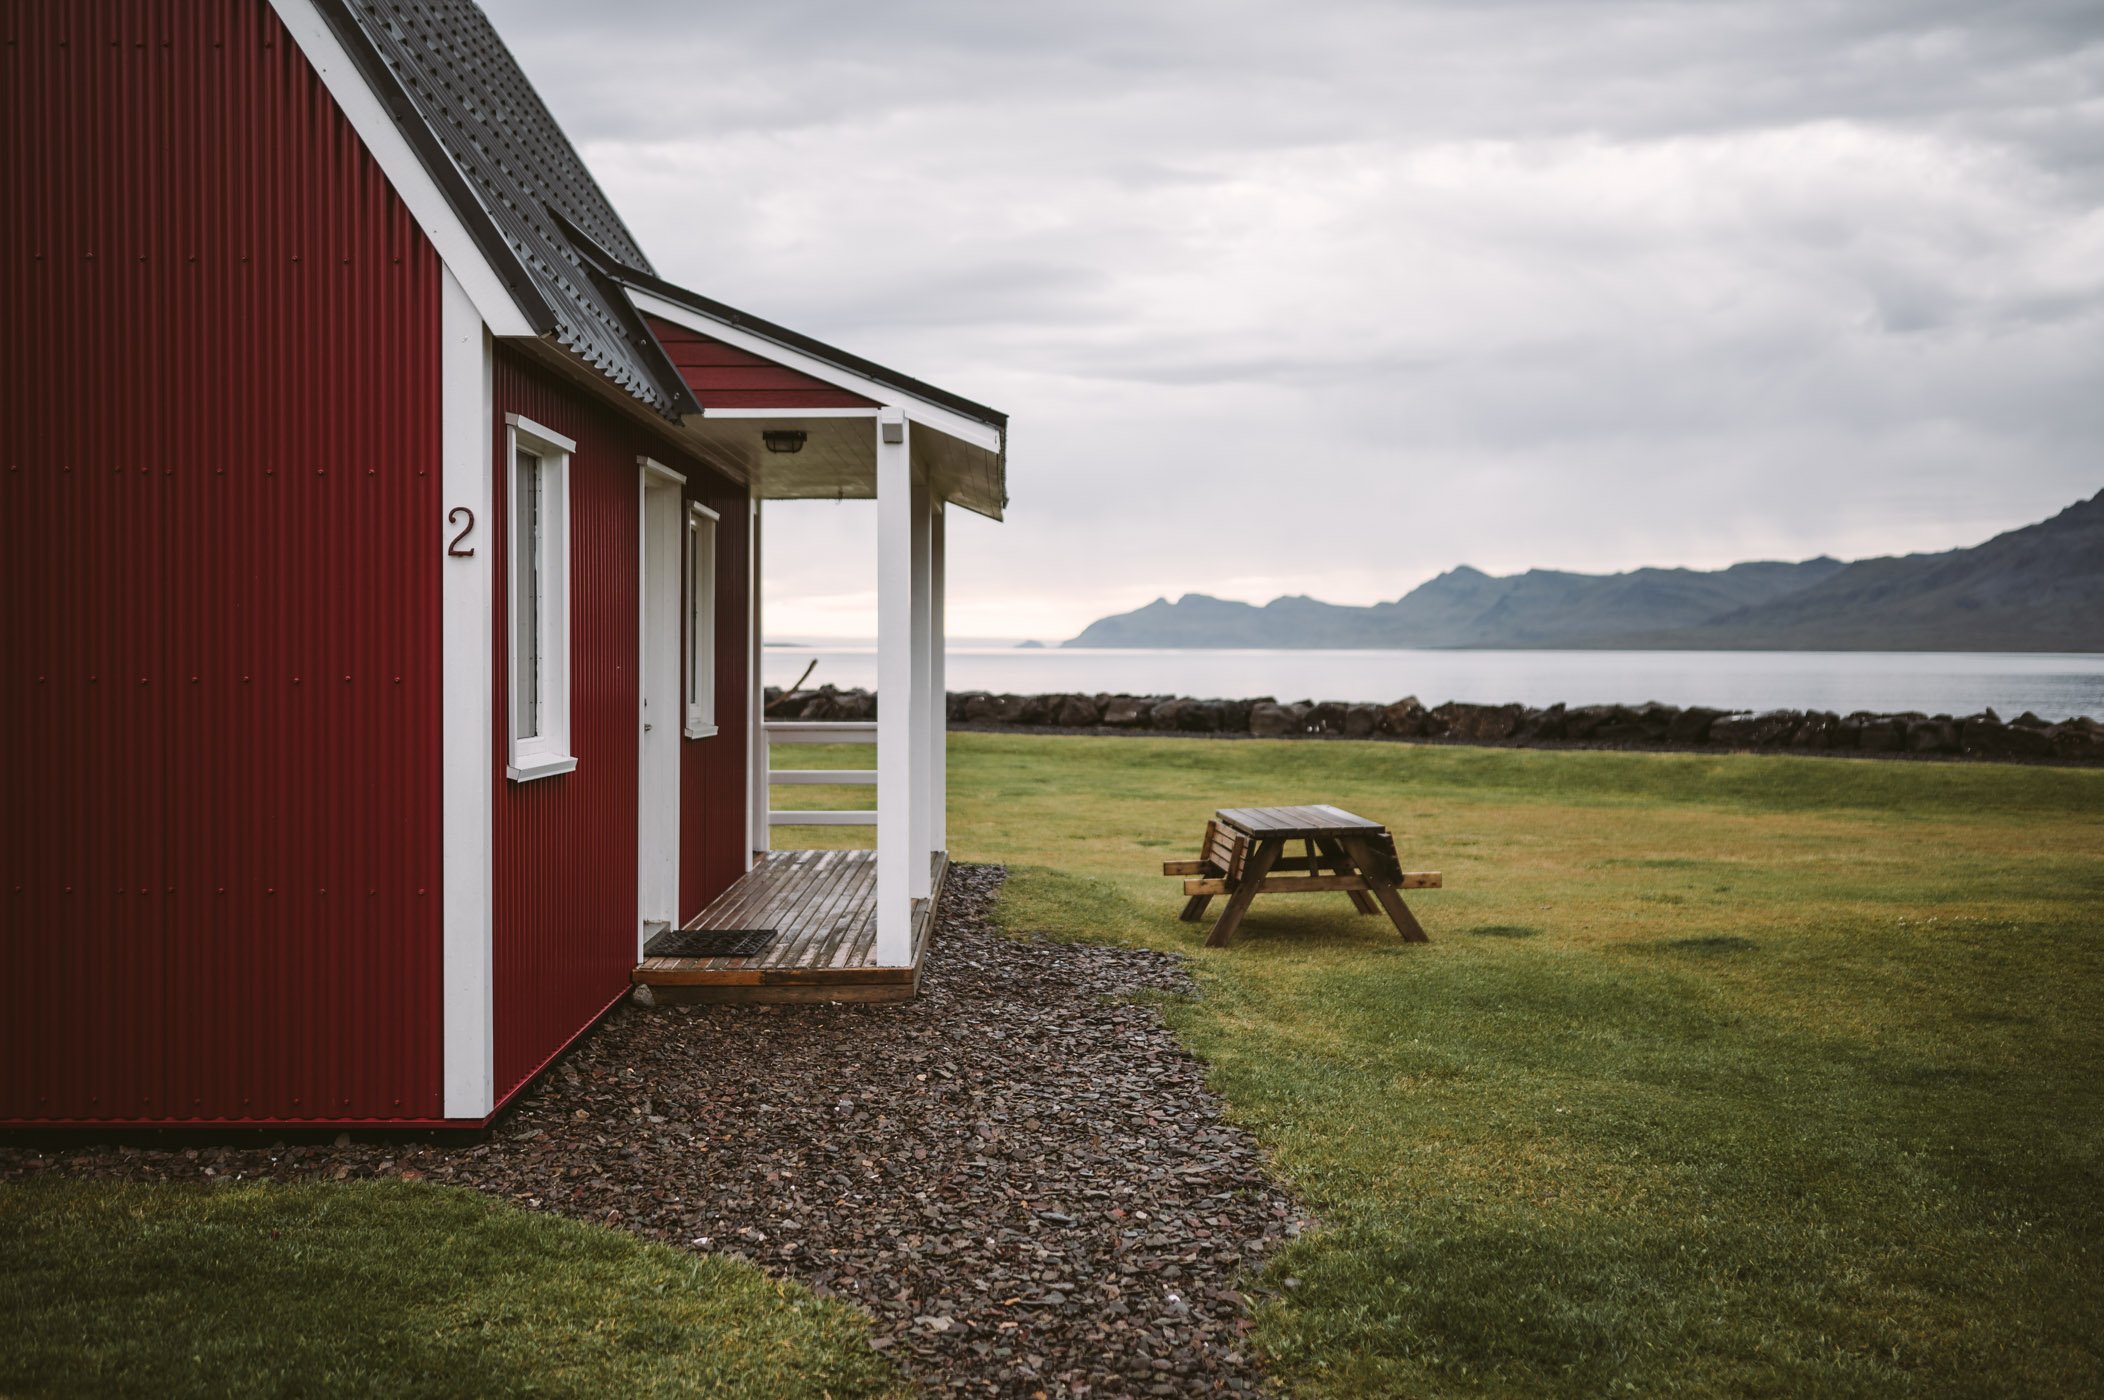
(463, 100)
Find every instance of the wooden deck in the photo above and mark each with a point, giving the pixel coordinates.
(823, 905)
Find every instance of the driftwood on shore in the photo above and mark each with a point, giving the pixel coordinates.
(1984, 735)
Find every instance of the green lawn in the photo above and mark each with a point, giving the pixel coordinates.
(1740, 1075)
(1721, 1076)
(388, 1290)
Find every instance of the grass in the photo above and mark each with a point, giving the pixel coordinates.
(1723, 1075)
(388, 1289)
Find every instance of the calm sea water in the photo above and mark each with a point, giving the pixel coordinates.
(2055, 685)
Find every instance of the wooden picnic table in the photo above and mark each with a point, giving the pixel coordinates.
(1244, 855)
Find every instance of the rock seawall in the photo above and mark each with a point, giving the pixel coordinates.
(1985, 735)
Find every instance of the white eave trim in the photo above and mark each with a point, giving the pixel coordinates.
(869, 412)
(404, 168)
(947, 421)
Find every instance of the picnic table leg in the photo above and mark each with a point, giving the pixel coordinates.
(1253, 872)
(1194, 908)
(1398, 912)
(1340, 864)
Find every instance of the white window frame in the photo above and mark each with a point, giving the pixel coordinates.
(701, 620)
(546, 752)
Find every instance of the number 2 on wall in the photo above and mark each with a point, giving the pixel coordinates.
(454, 548)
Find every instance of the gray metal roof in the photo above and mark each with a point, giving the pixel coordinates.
(519, 187)
(464, 103)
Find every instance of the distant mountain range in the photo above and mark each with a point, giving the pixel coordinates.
(2040, 588)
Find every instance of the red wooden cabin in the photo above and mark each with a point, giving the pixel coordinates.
(378, 575)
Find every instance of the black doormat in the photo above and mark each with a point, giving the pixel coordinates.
(709, 943)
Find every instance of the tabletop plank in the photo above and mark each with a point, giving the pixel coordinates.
(1286, 823)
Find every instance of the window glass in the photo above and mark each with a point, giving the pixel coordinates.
(536, 586)
(701, 624)
(526, 598)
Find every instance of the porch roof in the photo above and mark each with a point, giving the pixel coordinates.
(550, 265)
(959, 447)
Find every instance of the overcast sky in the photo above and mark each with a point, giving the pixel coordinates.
(1327, 298)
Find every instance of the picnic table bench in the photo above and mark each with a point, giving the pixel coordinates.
(1244, 855)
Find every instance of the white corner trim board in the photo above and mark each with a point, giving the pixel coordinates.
(467, 701)
(404, 169)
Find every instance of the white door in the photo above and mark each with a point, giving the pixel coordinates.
(657, 772)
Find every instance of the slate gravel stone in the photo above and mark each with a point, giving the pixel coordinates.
(1020, 1175)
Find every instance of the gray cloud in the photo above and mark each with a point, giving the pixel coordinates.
(1581, 285)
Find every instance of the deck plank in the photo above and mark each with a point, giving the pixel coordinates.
(813, 915)
(839, 933)
(823, 905)
(854, 921)
(858, 946)
(751, 899)
(777, 902)
(805, 919)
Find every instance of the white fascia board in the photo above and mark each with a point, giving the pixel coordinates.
(984, 436)
(870, 412)
(404, 169)
(467, 703)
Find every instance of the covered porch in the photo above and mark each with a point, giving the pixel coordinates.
(803, 422)
(822, 905)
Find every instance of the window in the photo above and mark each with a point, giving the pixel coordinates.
(701, 622)
(538, 599)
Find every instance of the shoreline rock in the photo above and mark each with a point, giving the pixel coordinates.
(2026, 738)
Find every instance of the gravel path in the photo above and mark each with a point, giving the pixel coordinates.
(1019, 1174)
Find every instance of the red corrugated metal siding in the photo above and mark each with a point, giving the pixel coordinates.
(565, 916)
(723, 376)
(219, 649)
(712, 771)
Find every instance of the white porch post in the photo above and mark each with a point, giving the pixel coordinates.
(895, 690)
(757, 836)
(938, 692)
(923, 772)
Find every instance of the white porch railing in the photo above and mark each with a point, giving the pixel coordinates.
(816, 731)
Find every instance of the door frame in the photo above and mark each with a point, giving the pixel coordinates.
(660, 521)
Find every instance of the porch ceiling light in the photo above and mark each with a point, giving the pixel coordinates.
(783, 439)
